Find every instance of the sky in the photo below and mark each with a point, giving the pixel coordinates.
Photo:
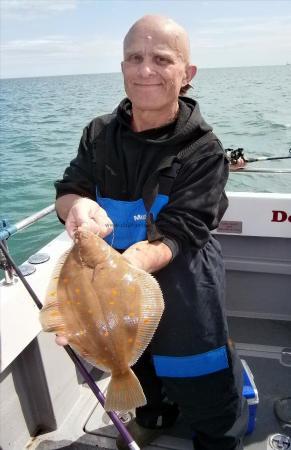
(63, 37)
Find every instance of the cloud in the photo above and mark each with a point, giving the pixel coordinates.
(61, 45)
(30, 9)
(43, 46)
(237, 32)
(60, 54)
(235, 20)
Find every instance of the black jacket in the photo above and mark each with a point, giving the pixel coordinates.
(121, 162)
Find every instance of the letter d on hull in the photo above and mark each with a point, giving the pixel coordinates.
(279, 216)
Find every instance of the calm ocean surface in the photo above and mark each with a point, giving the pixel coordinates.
(42, 121)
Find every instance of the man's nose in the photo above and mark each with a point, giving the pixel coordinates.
(146, 69)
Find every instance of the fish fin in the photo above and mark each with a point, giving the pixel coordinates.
(51, 319)
(49, 316)
(152, 307)
(51, 293)
(124, 392)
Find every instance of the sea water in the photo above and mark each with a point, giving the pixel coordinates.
(42, 121)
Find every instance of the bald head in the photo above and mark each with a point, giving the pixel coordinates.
(156, 67)
(150, 26)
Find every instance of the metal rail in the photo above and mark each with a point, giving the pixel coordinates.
(9, 230)
(246, 170)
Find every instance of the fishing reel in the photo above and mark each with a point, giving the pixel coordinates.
(235, 155)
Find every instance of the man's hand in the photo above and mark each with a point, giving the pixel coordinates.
(148, 256)
(86, 212)
(240, 164)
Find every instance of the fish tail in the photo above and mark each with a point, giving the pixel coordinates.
(124, 392)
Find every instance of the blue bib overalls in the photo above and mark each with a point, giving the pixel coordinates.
(129, 219)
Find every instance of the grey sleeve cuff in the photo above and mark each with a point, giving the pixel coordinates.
(173, 246)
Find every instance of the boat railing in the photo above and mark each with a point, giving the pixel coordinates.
(7, 230)
(265, 170)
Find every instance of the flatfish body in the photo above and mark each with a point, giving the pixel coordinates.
(107, 309)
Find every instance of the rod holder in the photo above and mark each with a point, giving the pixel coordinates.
(6, 266)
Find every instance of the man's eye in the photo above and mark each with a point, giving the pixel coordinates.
(135, 58)
(162, 60)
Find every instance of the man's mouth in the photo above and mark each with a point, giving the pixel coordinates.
(147, 84)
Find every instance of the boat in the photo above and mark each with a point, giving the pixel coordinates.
(46, 404)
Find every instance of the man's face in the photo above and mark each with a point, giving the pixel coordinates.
(154, 68)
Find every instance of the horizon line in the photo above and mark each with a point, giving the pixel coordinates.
(119, 72)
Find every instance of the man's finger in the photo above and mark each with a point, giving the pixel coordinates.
(61, 340)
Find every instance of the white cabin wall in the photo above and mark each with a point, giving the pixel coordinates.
(13, 429)
(62, 381)
(258, 276)
(38, 391)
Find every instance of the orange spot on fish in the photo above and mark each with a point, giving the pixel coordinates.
(52, 293)
(131, 314)
(114, 292)
(65, 280)
(54, 313)
(106, 333)
(146, 321)
(130, 340)
(111, 303)
(77, 290)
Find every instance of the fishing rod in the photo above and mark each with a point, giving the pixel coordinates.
(75, 358)
(235, 155)
(244, 170)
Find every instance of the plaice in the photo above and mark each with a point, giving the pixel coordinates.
(107, 309)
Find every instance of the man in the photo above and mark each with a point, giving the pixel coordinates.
(155, 172)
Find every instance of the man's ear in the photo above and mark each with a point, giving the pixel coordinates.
(121, 64)
(191, 71)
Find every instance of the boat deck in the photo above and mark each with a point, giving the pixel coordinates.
(88, 426)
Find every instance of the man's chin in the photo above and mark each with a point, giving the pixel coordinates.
(148, 103)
